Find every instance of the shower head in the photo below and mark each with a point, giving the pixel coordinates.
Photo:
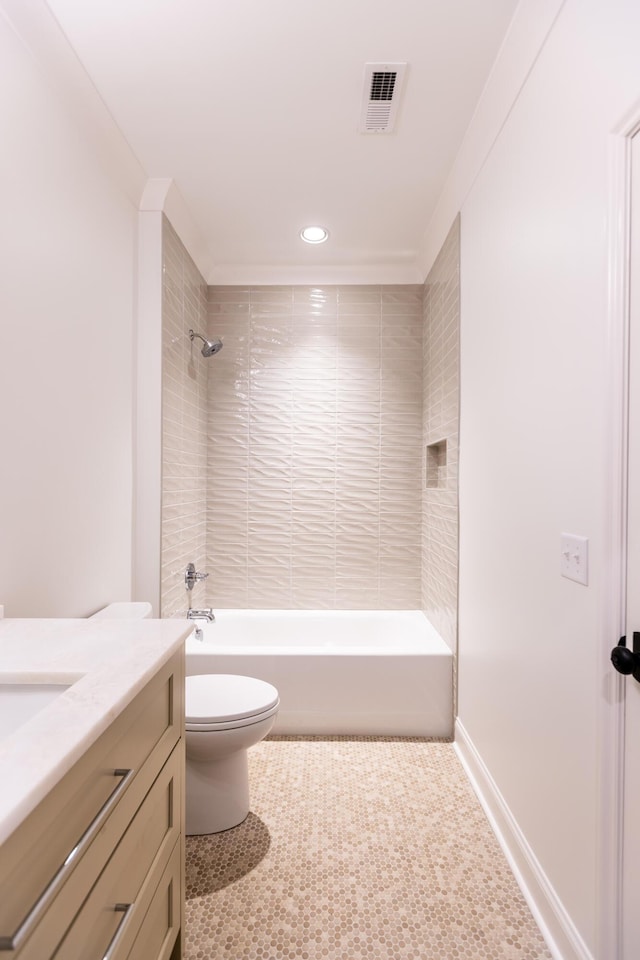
(210, 347)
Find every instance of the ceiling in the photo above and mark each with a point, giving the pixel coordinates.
(252, 108)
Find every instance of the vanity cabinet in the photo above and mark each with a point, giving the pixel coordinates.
(96, 870)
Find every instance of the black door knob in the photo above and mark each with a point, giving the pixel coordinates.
(624, 660)
(627, 661)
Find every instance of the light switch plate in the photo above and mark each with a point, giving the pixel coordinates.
(574, 558)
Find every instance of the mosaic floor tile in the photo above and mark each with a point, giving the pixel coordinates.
(355, 848)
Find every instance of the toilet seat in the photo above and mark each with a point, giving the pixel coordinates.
(223, 701)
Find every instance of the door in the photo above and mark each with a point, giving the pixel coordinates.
(631, 848)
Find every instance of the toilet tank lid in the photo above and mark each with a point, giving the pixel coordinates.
(213, 697)
(124, 610)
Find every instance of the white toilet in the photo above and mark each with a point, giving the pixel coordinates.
(225, 715)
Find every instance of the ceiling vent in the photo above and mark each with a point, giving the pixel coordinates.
(381, 96)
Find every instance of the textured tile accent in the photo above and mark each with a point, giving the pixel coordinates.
(184, 429)
(318, 413)
(319, 403)
(356, 849)
(440, 419)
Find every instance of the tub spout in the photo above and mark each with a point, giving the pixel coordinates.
(206, 614)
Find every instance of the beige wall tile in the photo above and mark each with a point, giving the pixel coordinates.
(440, 420)
(184, 460)
(296, 455)
(312, 369)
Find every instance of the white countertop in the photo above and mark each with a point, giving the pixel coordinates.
(107, 662)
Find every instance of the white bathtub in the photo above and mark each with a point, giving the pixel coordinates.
(337, 672)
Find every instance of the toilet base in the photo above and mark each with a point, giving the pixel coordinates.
(217, 793)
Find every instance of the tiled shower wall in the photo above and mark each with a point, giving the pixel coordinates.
(296, 475)
(315, 447)
(184, 425)
(441, 352)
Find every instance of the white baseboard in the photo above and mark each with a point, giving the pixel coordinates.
(556, 926)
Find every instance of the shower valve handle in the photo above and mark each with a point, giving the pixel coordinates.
(191, 576)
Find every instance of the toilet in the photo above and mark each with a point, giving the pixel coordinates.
(225, 715)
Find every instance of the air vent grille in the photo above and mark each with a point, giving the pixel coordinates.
(382, 84)
(381, 96)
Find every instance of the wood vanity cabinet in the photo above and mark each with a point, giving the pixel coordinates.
(96, 872)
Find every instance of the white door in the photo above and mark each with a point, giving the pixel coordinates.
(631, 848)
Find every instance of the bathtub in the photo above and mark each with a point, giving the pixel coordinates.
(337, 672)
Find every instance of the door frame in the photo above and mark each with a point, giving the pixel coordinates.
(612, 693)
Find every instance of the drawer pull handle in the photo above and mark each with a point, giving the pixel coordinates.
(125, 910)
(42, 903)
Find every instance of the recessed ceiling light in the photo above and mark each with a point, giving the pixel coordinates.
(314, 234)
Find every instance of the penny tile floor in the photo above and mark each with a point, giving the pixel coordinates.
(356, 847)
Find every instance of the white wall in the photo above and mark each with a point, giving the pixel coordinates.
(67, 235)
(534, 311)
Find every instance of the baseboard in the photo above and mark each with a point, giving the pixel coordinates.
(556, 926)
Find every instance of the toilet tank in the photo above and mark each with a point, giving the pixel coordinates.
(134, 610)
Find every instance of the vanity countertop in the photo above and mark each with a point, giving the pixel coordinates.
(107, 662)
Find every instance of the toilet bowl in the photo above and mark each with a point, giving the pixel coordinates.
(225, 715)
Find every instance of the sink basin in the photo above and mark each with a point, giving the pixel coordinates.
(21, 701)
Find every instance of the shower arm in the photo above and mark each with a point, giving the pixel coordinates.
(210, 347)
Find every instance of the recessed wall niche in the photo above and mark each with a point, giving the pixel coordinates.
(437, 464)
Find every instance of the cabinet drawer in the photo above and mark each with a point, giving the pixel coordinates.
(161, 924)
(114, 911)
(58, 852)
